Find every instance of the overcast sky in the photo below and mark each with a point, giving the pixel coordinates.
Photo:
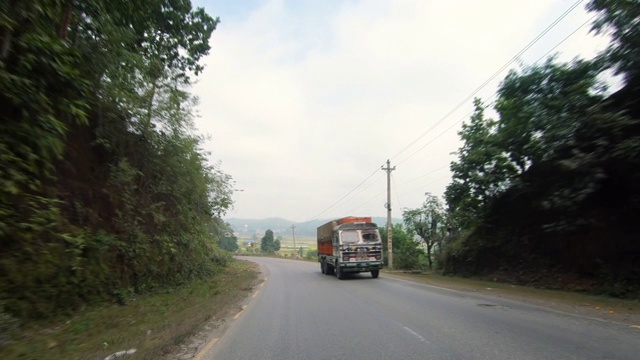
(305, 100)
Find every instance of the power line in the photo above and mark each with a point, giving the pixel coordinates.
(445, 131)
(361, 188)
(496, 93)
(377, 195)
(513, 59)
(352, 190)
(369, 185)
(459, 105)
(489, 105)
(421, 176)
(566, 37)
(368, 201)
(422, 186)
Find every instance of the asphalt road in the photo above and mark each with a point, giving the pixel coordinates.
(299, 313)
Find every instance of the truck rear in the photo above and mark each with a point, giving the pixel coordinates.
(350, 245)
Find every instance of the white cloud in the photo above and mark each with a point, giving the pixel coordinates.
(303, 103)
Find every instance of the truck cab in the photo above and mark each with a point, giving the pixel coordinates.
(350, 245)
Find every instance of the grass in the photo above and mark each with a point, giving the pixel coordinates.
(154, 325)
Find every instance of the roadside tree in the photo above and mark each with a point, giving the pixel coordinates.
(268, 244)
(407, 253)
(428, 223)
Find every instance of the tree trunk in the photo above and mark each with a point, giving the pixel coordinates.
(429, 246)
(66, 20)
(147, 125)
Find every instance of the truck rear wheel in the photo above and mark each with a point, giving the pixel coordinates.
(326, 268)
(375, 273)
(339, 273)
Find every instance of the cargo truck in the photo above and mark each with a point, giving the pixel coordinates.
(350, 245)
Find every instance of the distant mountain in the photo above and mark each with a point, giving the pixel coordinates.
(259, 226)
(280, 226)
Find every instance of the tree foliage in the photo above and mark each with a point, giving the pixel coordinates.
(428, 222)
(105, 188)
(482, 171)
(229, 243)
(268, 244)
(407, 253)
(551, 182)
(621, 20)
(224, 233)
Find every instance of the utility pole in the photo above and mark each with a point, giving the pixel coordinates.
(293, 232)
(389, 169)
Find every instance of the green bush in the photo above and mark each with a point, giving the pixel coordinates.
(311, 254)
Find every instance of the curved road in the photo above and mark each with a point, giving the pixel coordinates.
(299, 313)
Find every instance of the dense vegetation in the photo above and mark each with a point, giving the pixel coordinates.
(104, 189)
(407, 252)
(548, 192)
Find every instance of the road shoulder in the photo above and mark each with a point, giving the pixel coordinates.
(200, 344)
(591, 306)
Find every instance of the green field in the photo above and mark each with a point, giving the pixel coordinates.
(304, 241)
(308, 243)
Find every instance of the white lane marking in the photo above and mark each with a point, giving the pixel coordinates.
(417, 335)
(206, 349)
(635, 326)
(241, 311)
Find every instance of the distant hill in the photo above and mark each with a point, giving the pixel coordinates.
(280, 226)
